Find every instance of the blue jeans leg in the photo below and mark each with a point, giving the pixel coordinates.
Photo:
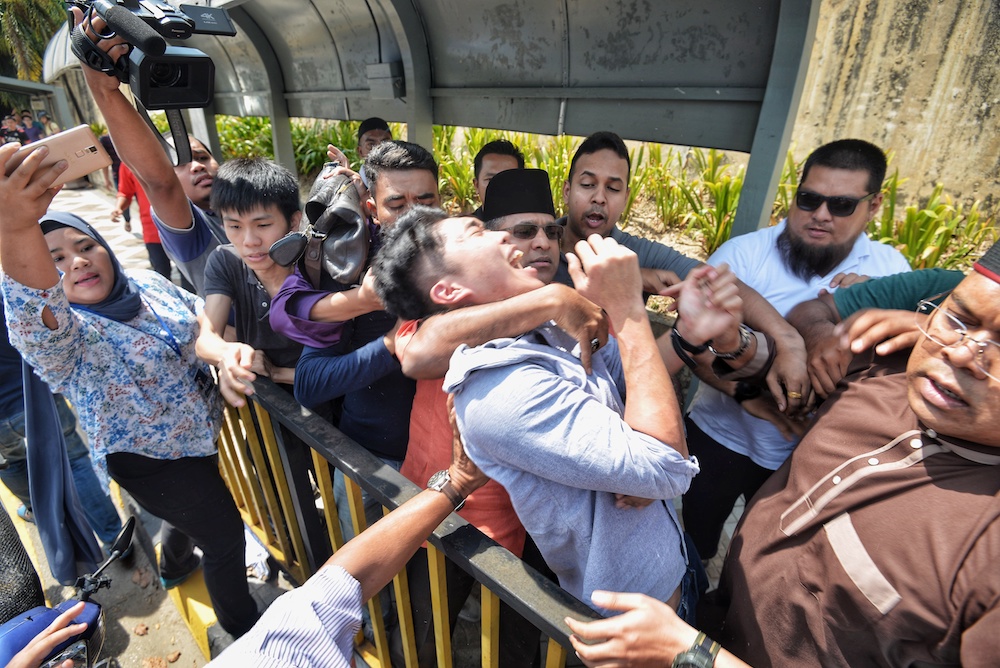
(15, 476)
(97, 504)
(373, 512)
(693, 585)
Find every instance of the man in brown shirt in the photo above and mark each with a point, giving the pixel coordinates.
(877, 543)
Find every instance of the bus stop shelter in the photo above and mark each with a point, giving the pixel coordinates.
(713, 73)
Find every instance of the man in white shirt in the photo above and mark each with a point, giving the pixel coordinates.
(822, 241)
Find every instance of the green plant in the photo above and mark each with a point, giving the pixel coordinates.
(311, 137)
(457, 185)
(244, 137)
(160, 122)
(553, 155)
(787, 184)
(712, 198)
(938, 234)
(637, 182)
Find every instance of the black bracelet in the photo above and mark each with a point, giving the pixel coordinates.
(745, 390)
(678, 342)
(687, 345)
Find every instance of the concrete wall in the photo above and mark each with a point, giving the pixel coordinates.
(918, 77)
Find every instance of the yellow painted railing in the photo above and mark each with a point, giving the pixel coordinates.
(287, 501)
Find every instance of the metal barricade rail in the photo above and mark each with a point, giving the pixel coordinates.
(265, 471)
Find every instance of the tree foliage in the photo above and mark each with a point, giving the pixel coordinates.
(26, 26)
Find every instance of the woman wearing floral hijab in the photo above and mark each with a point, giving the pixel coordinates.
(121, 347)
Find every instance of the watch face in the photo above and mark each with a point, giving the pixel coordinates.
(438, 480)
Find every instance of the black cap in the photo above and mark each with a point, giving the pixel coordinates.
(373, 123)
(989, 264)
(518, 191)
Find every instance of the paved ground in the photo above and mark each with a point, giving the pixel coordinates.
(144, 627)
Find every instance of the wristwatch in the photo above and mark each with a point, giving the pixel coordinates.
(441, 482)
(700, 655)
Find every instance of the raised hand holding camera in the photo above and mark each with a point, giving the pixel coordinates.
(161, 76)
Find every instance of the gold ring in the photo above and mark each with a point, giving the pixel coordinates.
(793, 395)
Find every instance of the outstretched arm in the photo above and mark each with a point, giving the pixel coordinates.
(608, 275)
(396, 537)
(709, 308)
(428, 351)
(887, 330)
(788, 378)
(234, 360)
(24, 197)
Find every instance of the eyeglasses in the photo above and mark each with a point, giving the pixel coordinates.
(944, 329)
(838, 205)
(530, 230)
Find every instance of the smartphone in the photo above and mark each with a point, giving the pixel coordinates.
(78, 146)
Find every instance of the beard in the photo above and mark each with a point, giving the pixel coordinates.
(806, 260)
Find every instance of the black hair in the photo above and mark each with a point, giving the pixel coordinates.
(397, 155)
(598, 142)
(850, 154)
(244, 184)
(170, 140)
(373, 123)
(409, 262)
(497, 147)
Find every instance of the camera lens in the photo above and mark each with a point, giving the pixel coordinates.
(165, 75)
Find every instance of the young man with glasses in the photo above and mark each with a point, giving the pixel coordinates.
(876, 543)
(736, 431)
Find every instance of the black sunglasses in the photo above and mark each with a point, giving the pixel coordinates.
(838, 205)
(529, 230)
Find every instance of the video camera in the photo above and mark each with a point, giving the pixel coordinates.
(161, 76)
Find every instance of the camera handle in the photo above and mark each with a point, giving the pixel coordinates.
(180, 152)
(120, 21)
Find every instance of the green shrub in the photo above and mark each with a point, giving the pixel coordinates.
(641, 173)
(310, 138)
(940, 233)
(787, 184)
(553, 154)
(698, 189)
(244, 137)
(712, 198)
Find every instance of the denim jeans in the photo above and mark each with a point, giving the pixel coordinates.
(373, 512)
(694, 584)
(97, 505)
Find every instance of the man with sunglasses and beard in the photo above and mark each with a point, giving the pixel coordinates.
(733, 428)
